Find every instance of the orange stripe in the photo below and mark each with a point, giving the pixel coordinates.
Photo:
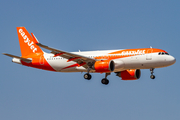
(140, 50)
(38, 61)
(129, 52)
(75, 65)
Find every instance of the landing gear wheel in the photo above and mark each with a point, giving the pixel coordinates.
(87, 76)
(105, 81)
(152, 77)
(152, 71)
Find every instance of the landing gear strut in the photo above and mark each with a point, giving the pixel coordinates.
(105, 81)
(152, 71)
(87, 76)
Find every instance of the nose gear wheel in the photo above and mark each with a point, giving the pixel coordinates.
(152, 71)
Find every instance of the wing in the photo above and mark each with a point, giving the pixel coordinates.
(81, 60)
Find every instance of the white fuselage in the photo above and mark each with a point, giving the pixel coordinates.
(122, 61)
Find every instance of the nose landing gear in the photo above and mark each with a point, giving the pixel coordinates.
(152, 71)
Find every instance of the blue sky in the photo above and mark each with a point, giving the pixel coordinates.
(32, 94)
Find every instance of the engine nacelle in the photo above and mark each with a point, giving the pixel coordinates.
(132, 74)
(104, 66)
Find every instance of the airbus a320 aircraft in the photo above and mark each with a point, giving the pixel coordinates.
(126, 63)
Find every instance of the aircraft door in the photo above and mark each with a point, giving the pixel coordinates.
(149, 54)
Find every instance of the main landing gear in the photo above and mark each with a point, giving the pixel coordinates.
(152, 71)
(87, 76)
(105, 81)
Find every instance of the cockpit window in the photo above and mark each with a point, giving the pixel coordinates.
(162, 53)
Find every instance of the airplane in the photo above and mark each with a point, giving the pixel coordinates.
(125, 63)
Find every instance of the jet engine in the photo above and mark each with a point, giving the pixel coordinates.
(132, 74)
(104, 66)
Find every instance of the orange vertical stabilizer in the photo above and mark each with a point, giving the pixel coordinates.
(27, 42)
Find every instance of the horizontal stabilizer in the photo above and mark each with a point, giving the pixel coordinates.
(21, 58)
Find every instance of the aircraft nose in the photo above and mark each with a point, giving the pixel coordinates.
(174, 60)
(171, 60)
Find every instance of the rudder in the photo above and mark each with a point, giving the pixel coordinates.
(27, 42)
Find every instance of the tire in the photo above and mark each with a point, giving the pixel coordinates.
(105, 81)
(87, 76)
(152, 77)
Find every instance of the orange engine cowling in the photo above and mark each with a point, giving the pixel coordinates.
(132, 74)
(104, 66)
